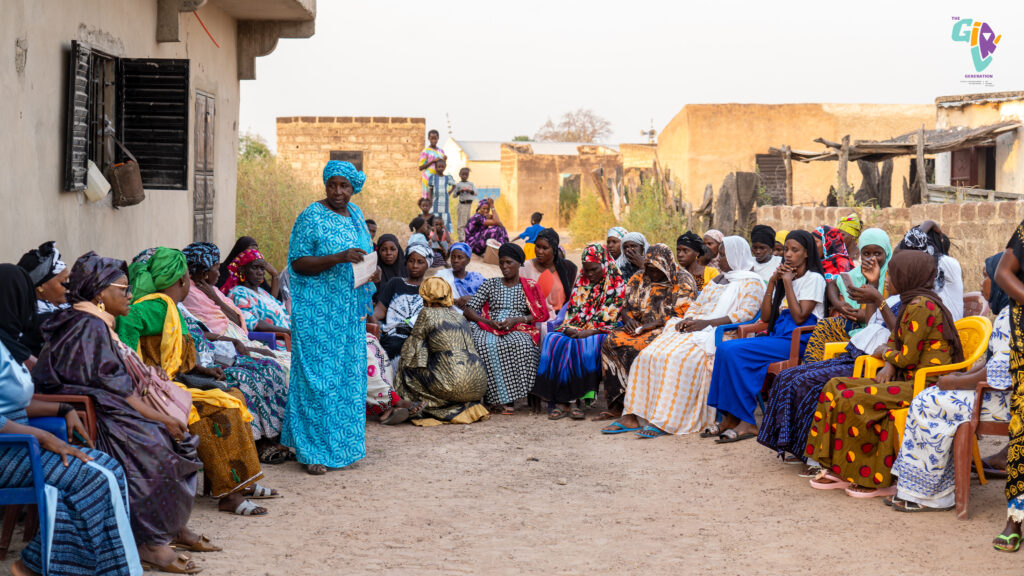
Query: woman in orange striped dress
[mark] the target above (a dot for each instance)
(668, 383)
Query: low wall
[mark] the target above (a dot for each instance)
(976, 230)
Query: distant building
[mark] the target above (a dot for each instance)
(996, 165)
(483, 158)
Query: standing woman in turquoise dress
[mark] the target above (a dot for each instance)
(325, 419)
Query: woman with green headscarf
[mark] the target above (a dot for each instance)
(849, 316)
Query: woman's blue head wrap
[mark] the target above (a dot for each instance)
(346, 170)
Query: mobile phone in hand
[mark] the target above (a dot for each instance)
(847, 281)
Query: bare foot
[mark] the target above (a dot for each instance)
(745, 428)
(19, 569)
(158, 555)
(627, 421)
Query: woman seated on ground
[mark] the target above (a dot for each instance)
(399, 300)
(634, 251)
(570, 360)
(506, 311)
(848, 315)
(562, 273)
(657, 294)
(795, 297)
(613, 242)
(48, 273)
(713, 242)
(223, 321)
(464, 283)
(440, 371)
(949, 283)
(156, 328)
(668, 383)
(390, 260)
(762, 243)
(689, 248)
(832, 251)
(260, 309)
(483, 226)
(924, 467)
(382, 401)
(91, 532)
(853, 433)
(142, 419)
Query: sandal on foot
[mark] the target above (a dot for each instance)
(605, 415)
(248, 508)
(203, 544)
(649, 432)
(712, 431)
(273, 455)
(397, 416)
(508, 411)
(181, 565)
(261, 493)
(619, 428)
(854, 491)
(810, 472)
(1006, 543)
(415, 409)
(908, 506)
(730, 436)
(826, 480)
(557, 414)
(315, 469)
(577, 414)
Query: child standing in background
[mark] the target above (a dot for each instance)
(425, 205)
(530, 234)
(440, 240)
(465, 193)
(441, 186)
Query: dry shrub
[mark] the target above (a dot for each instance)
(649, 216)
(591, 221)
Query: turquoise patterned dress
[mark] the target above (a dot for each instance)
(326, 414)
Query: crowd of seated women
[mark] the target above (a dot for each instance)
(185, 357)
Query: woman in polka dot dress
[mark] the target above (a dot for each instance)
(853, 435)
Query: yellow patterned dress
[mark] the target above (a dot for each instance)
(1015, 455)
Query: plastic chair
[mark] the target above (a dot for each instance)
(266, 338)
(83, 404)
(965, 448)
(833, 349)
(975, 304)
(721, 330)
(31, 494)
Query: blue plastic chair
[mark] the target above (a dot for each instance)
(719, 334)
(267, 338)
(32, 494)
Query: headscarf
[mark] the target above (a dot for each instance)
(780, 236)
(913, 275)
(717, 235)
(484, 201)
(915, 239)
(870, 237)
(17, 310)
(661, 257)
(43, 263)
(462, 247)
(420, 248)
(596, 306)
(625, 266)
(691, 241)
(396, 270)
(763, 235)
(235, 266)
(616, 232)
(347, 171)
(201, 256)
(851, 225)
(997, 299)
(639, 296)
(566, 270)
(436, 293)
(805, 239)
(741, 260)
(161, 270)
(835, 259)
(513, 251)
(91, 274)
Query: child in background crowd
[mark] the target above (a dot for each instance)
(441, 186)
(465, 193)
(424, 204)
(530, 234)
(440, 240)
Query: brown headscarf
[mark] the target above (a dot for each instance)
(912, 274)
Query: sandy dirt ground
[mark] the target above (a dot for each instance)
(525, 495)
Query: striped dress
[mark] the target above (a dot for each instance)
(668, 382)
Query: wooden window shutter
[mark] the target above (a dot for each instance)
(154, 107)
(76, 146)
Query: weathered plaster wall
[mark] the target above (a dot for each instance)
(1009, 156)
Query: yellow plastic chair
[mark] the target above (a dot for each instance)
(974, 333)
(833, 349)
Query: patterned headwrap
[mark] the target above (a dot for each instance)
(762, 234)
(851, 225)
(596, 306)
(915, 239)
(43, 263)
(834, 259)
(159, 271)
(234, 276)
(513, 251)
(462, 247)
(436, 293)
(91, 275)
(716, 235)
(616, 232)
(420, 248)
(636, 238)
(346, 170)
(201, 256)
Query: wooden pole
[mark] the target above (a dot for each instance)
(844, 158)
(922, 178)
(788, 159)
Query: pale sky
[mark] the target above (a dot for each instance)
(500, 69)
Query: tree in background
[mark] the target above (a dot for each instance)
(581, 125)
(522, 139)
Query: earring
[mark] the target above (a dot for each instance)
(102, 306)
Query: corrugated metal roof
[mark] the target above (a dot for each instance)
(481, 151)
(485, 151)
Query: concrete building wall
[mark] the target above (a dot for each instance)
(36, 37)
(704, 142)
(1009, 156)
(391, 146)
(638, 156)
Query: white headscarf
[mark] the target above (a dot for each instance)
(636, 238)
(741, 260)
(616, 232)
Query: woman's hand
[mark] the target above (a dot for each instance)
(51, 443)
(630, 325)
(271, 270)
(240, 348)
(847, 311)
(866, 294)
(215, 373)
(461, 301)
(74, 424)
(570, 332)
(176, 429)
(885, 374)
(786, 275)
(351, 256)
(693, 325)
(871, 271)
(376, 275)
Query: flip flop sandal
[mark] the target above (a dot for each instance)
(619, 429)
(203, 544)
(811, 472)
(1009, 543)
(649, 432)
(397, 416)
(577, 414)
(273, 455)
(315, 469)
(712, 431)
(790, 459)
(415, 409)
(181, 565)
(605, 415)
(557, 414)
(262, 493)
(870, 492)
(247, 508)
(730, 436)
(508, 411)
(828, 481)
(990, 471)
(908, 506)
